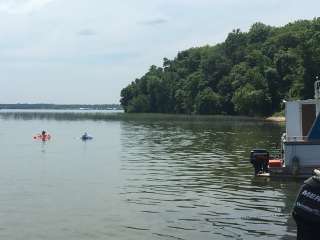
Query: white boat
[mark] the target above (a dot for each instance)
(300, 144)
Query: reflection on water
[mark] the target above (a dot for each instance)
(194, 181)
(140, 178)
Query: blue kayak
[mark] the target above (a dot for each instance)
(84, 138)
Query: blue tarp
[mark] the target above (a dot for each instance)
(314, 133)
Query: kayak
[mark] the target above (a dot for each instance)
(85, 138)
(41, 137)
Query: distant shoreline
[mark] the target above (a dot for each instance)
(48, 106)
(101, 107)
(74, 114)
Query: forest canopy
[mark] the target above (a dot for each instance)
(250, 73)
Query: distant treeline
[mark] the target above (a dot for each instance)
(250, 73)
(61, 106)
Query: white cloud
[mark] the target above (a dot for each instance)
(22, 6)
(86, 32)
(155, 21)
(100, 46)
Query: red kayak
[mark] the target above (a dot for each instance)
(42, 137)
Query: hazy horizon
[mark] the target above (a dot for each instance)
(44, 103)
(85, 52)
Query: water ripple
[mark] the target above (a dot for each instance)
(199, 179)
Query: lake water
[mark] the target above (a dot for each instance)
(139, 178)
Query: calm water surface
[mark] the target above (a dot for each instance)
(140, 179)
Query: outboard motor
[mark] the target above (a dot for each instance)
(259, 159)
(306, 211)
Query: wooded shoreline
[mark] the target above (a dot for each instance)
(250, 74)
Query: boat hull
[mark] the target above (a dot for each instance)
(301, 158)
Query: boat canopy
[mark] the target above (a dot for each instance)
(314, 133)
(300, 119)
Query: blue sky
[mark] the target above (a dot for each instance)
(86, 51)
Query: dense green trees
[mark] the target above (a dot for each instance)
(248, 74)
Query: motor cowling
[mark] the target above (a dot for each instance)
(259, 159)
(306, 210)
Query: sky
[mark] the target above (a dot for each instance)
(86, 51)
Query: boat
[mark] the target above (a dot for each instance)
(86, 137)
(299, 145)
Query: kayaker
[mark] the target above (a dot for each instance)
(85, 135)
(44, 135)
(306, 210)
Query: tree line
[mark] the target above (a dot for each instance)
(250, 73)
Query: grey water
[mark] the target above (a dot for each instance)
(140, 178)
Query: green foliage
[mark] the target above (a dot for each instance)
(138, 104)
(250, 73)
(250, 101)
(259, 33)
(207, 102)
